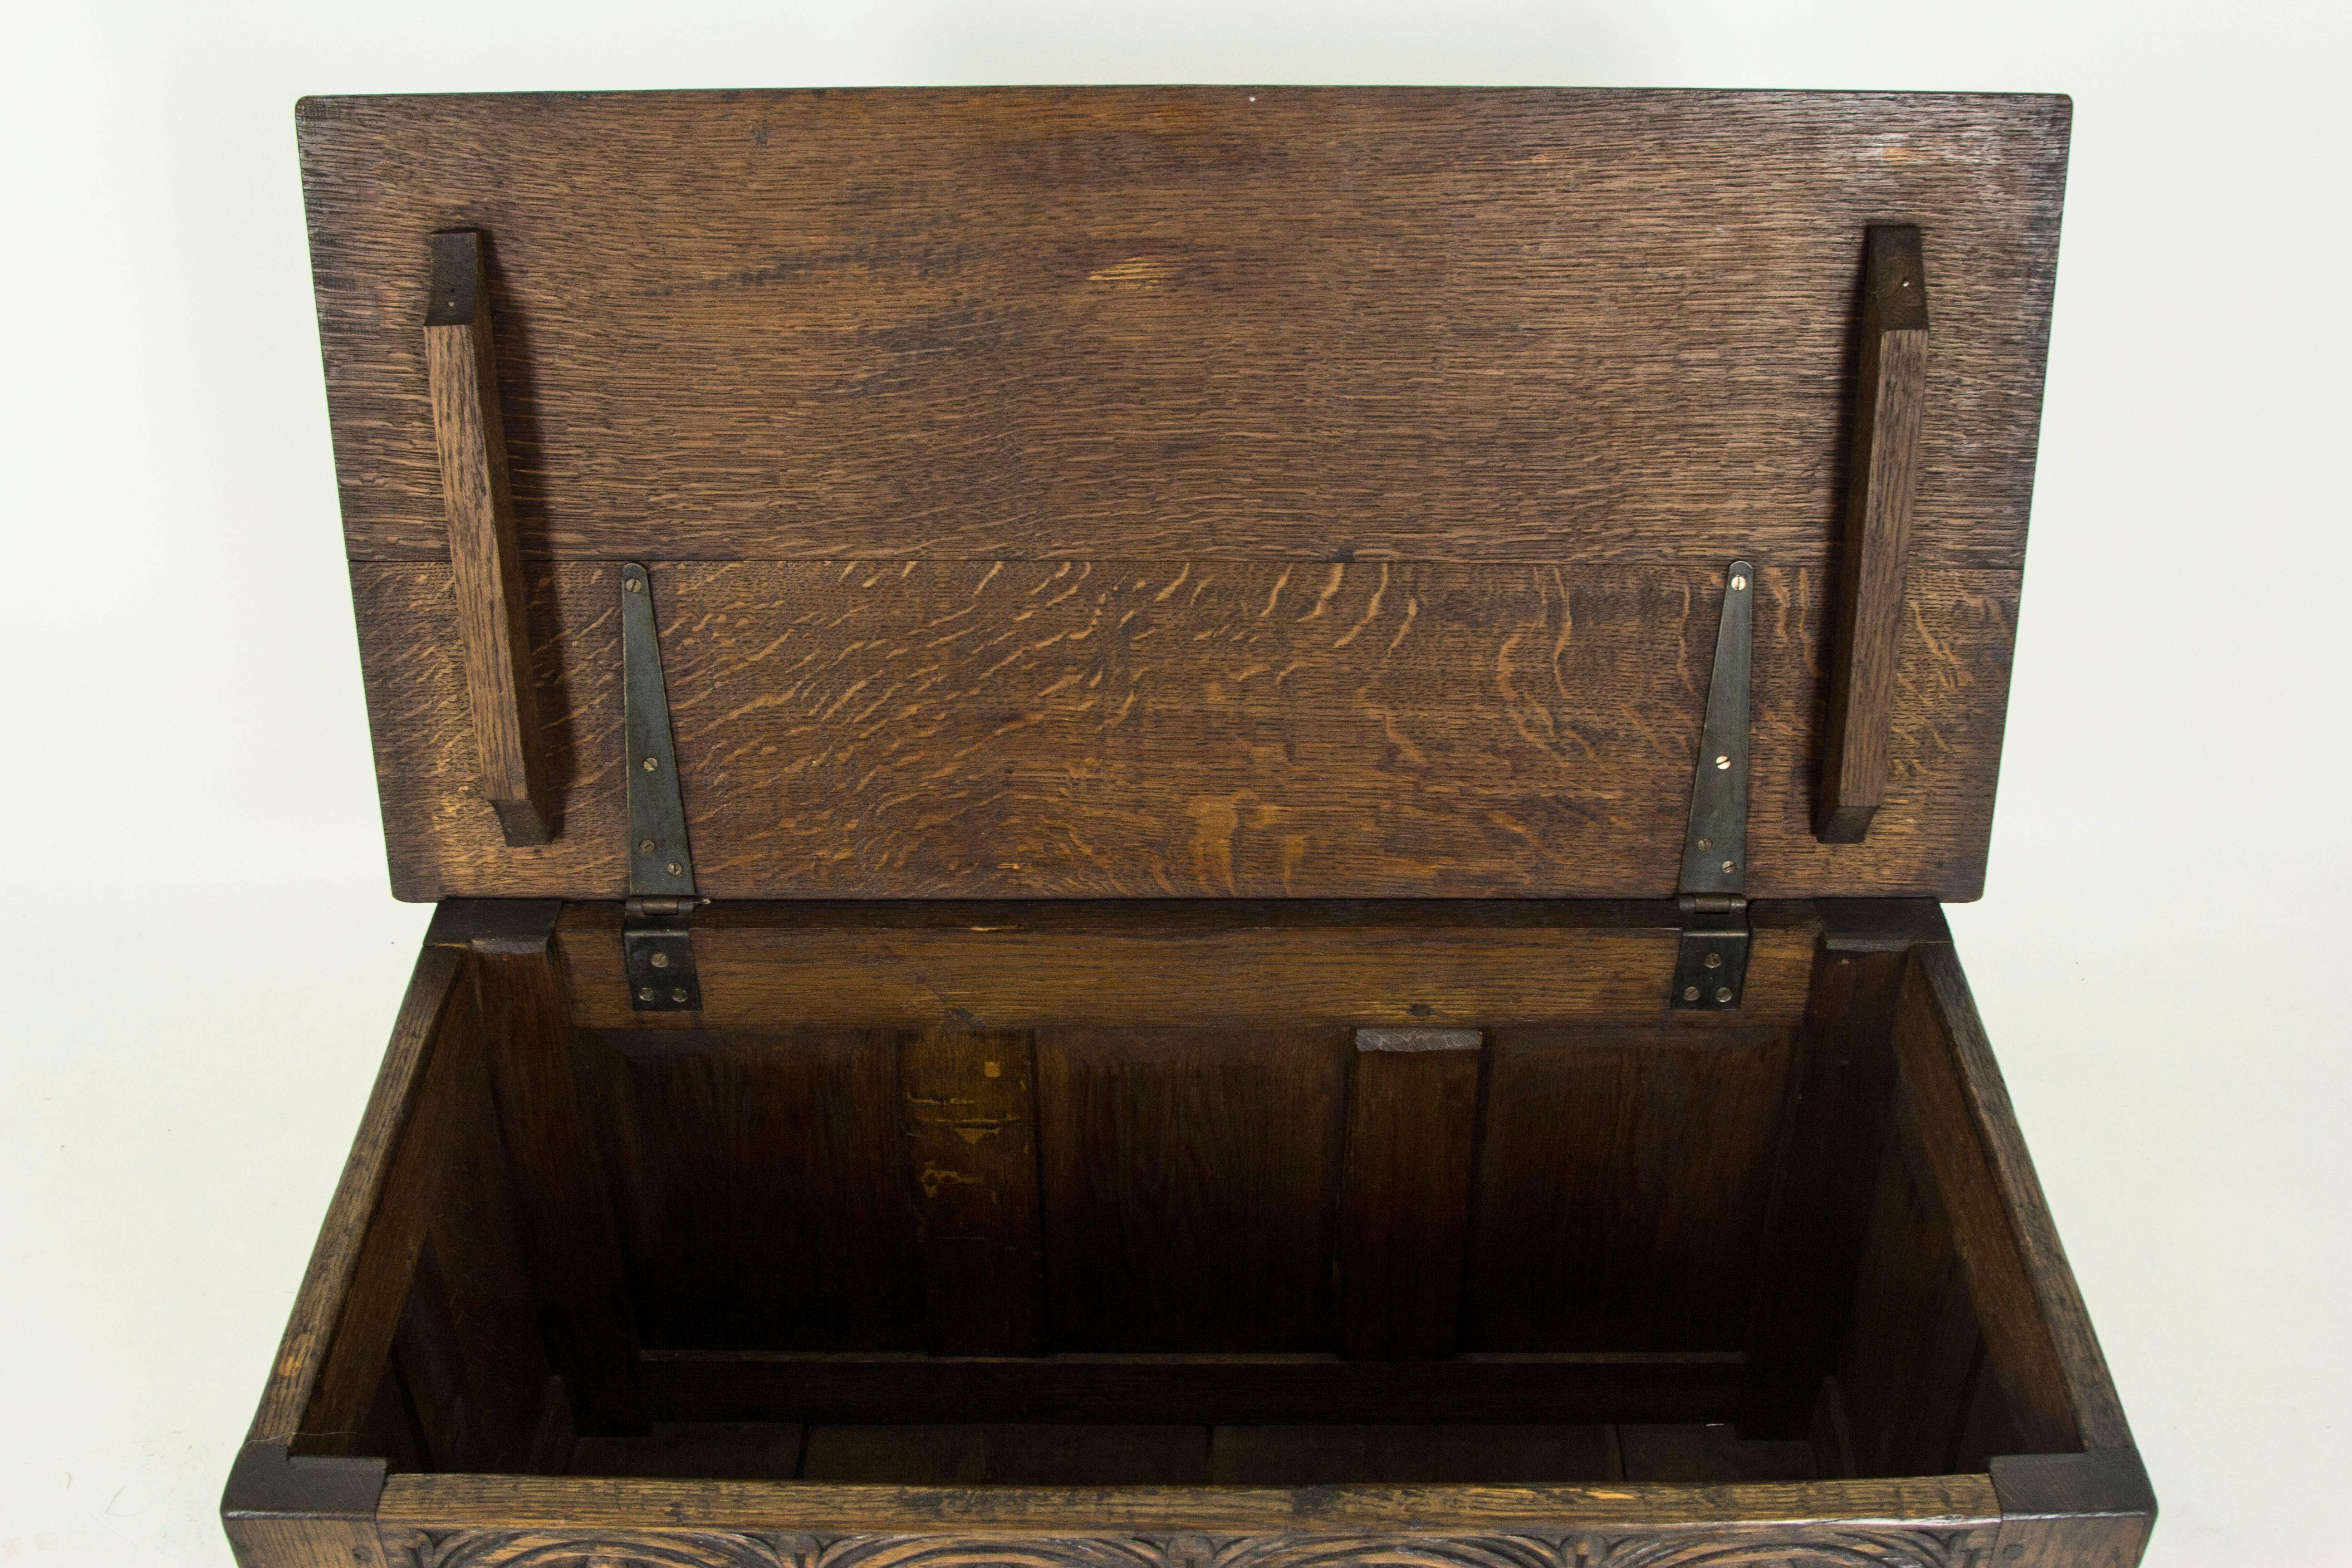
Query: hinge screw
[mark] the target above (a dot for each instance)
(646, 994)
(674, 868)
(1690, 993)
(1714, 960)
(679, 995)
(1723, 992)
(633, 586)
(1737, 582)
(651, 765)
(1722, 764)
(1707, 842)
(659, 961)
(1731, 865)
(645, 847)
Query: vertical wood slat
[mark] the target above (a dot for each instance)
(968, 1109)
(1842, 1085)
(486, 569)
(1404, 1206)
(563, 1208)
(1890, 397)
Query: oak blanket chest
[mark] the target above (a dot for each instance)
(1187, 827)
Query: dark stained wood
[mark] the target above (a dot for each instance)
(392, 1430)
(1684, 1452)
(470, 434)
(1873, 557)
(449, 1088)
(708, 1450)
(1245, 1389)
(2094, 1510)
(1395, 1455)
(980, 1455)
(302, 1511)
(563, 1209)
(1404, 1202)
(1423, 963)
(759, 1185)
(1842, 1085)
(968, 1103)
(1940, 1516)
(1988, 1425)
(473, 1289)
(1197, 729)
(1622, 1175)
(389, 1176)
(1191, 1180)
(1172, 322)
(2043, 1349)
(1914, 1339)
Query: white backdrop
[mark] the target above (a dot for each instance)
(202, 957)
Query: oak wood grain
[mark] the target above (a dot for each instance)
(999, 964)
(563, 1209)
(1375, 1453)
(1245, 1389)
(332, 1353)
(469, 435)
(1190, 1184)
(1175, 322)
(968, 1104)
(978, 1454)
(2043, 1348)
(1079, 729)
(1963, 1504)
(1622, 1175)
(1405, 1200)
(1914, 1339)
(1873, 557)
(1827, 1175)
(759, 1180)
(2092, 1510)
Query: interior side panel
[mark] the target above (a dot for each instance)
(1621, 1184)
(760, 1185)
(1190, 1184)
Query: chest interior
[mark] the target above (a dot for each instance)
(1240, 794)
(1096, 1194)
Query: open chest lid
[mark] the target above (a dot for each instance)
(1203, 492)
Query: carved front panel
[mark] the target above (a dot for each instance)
(1816, 1547)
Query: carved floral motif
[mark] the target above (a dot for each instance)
(1820, 1548)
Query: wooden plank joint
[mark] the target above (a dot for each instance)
(485, 563)
(1890, 394)
(280, 1508)
(968, 1109)
(2093, 1510)
(1405, 1208)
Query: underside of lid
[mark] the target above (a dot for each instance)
(1198, 492)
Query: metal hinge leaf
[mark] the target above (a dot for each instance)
(657, 940)
(1711, 960)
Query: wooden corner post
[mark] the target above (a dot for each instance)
(1890, 393)
(483, 558)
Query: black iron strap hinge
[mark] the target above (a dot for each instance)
(1711, 960)
(657, 938)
